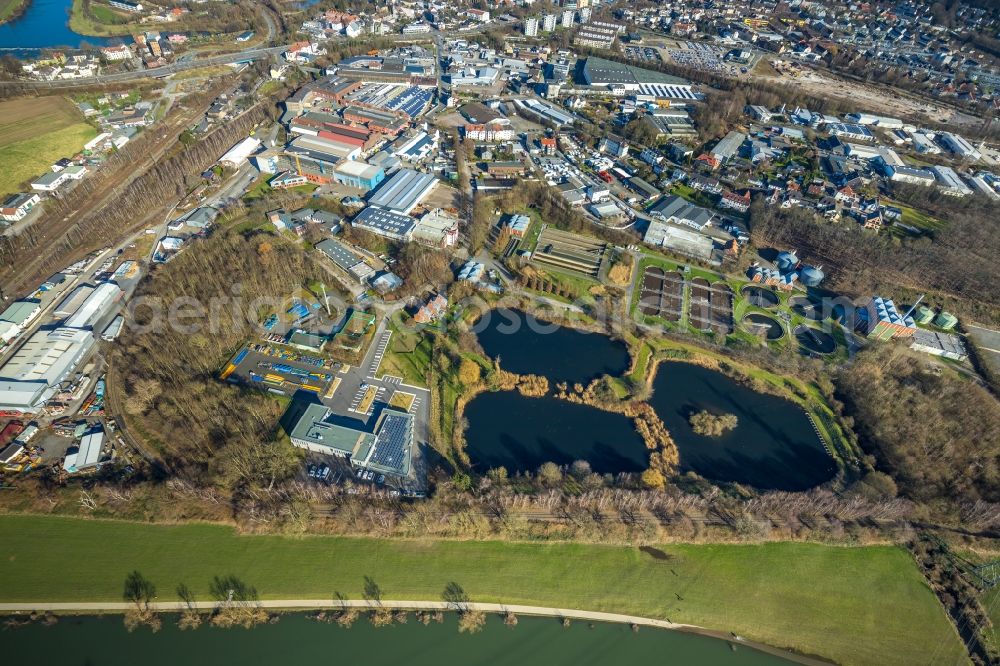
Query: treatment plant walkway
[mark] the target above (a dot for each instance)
(317, 604)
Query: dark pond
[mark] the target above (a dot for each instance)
(774, 446)
(757, 322)
(760, 297)
(295, 640)
(527, 345)
(45, 24)
(509, 430)
(819, 342)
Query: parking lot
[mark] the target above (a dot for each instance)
(643, 53)
(280, 369)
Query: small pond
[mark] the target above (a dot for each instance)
(509, 430)
(774, 445)
(527, 345)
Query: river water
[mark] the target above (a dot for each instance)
(103, 641)
(45, 24)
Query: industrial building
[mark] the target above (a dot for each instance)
(606, 73)
(386, 223)
(938, 344)
(345, 259)
(680, 211)
(437, 229)
(403, 191)
(415, 148)
(238, 154)
(325, 147)
(359, 174)
(692, 244)
(97, 304)
(728, 147)
(885, 321)
(46, 359)
(388, 449)
(960, 146)
(545, 111)
(949, 181)
(88, 454)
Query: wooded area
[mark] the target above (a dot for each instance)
(959, 261)
(936, 433)
(208, 430)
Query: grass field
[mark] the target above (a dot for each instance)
(408, 356)
(853, 605)
(103, 21)
(34, 133)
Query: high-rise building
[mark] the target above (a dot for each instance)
(549, 23)
(567, 18)
(531, 27)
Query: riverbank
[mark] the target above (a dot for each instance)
(432, 639)
(416, 605)
(853, 605)
(11, 10)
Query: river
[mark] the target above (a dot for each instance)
(45, 24)
(294, 640)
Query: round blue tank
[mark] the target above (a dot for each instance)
(787, 261)
(811, 276)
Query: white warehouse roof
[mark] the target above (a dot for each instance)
(95, 307)
(238, 154)
(403, 191)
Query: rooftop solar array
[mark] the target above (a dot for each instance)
(392, 443)
(411, 102)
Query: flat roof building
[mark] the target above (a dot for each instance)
(403, 191)
(97, 304)
(384, 222)
(32, 375)
(358, 174)
(345, 259)
(388, 449)
(950, 182)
